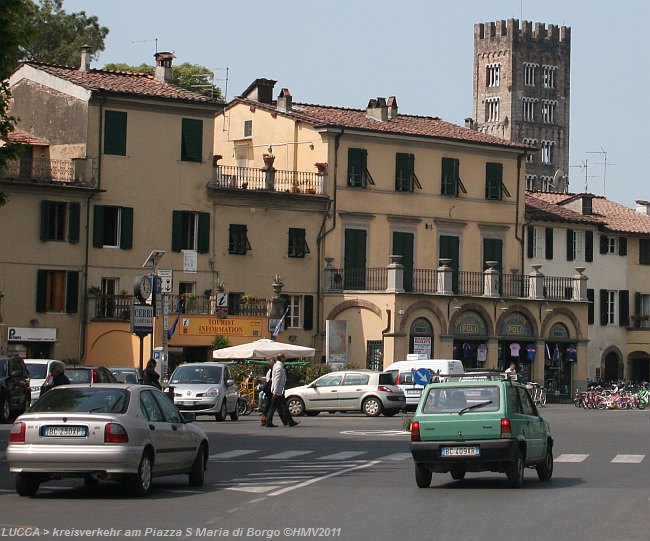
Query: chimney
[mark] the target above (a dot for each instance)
(469, 123)
(85, 58)
(377, 110)
(164, 66)
(643, 207)
(392, 107)
(285, 101)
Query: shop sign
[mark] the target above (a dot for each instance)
(470, 323)
(559, 332)
(336, 332)
(211, 326)
(29, 334)
(422, 344)
(515, 324)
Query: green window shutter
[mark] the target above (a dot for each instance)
(644, 251)
(450, 248)
(569, 244)
(590, 307)
(549, 243)
(603, 307)
(177, 230)
(493, 251)
(622, 246)
(624, 308)
(72, 292)
(357, 164)
(41, 291)
(115, 133)
(308, 313)
(355, 259)
(203, 237)
(589, 246)
(45, 220)
(74, 219)
(126, 230)
(493, 181)
(450, 173)
(192, 140)
(604, 244)
(98, 226)
(403, 245)
(529, 238)
(404, 167)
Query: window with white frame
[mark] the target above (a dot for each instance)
(546, 183)
(529, 109)
(529, 73)
(578, 245)
(612, 245)
(548, 76)
(547, 152)
(644, 310)
(493, 74)
(248, 128)
(548, 111)
(610, 304)
(293, 317)
(492, 110)
(530, 181)
(539, 242)
(530, 158)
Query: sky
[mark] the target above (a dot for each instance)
(345, 52)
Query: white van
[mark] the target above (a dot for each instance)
(404, 374)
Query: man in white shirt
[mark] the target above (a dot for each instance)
(278, 383)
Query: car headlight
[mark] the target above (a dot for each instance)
(213, 391)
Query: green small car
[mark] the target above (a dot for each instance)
(483, 425)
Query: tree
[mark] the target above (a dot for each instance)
(14, 33)
(57, 36)
(192, 77)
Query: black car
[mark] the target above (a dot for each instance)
(89, 374)
(15, 392)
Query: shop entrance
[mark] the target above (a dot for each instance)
(470, 339)
(421, 338)
(560, 355)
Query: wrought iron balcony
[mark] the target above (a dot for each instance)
(269, 179)
(77, 171)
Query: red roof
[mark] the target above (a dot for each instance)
(118, 82)
(20, 137)
(612, 216)
(422, 126)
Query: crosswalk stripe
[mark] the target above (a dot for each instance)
(396, 456)
(628, 459)
(343, 455)
(233, 454)
(571, 458)
(285, 455)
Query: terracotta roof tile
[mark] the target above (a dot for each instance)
(20, 137)
(322, 115)
(613, 216)
(119, 82)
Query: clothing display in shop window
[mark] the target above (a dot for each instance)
(531, 349)
(571, 354)
(466, 350)
(481, 353)
(514, 349)
(556, 356)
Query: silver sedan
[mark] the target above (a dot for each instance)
(123, 432)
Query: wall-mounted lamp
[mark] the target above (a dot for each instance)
(453, 299)
(504, 307)
(34, 322)
(401, 312)
(549, 310)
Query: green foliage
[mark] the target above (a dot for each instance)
(57, 37)
(301, 375)
(192, 77)
(220, 341)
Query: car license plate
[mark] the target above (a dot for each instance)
(414, 392)
(64, 431)
(187, 403)
(469, 450)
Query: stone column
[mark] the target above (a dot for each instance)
(536, 283)
(445, 274)
(491, 279)
(395, 275)
(580, 285)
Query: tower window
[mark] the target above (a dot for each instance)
(529, 74)
(492, 110)
(548, 76)
(548, 111)
(493, 74)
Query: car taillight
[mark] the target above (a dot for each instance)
(17, 433)
(384, 389)
(415, 430)
(94, 376)
(115, 433)
(506, 429)
(397, 378)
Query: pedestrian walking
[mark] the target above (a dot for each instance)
(278, 402)
(151, 377)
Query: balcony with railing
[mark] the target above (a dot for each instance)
(267, 179)
(76, 171)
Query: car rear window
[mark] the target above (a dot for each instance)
(37, 370)
(197, 374)
(387, 378)
(87, 400)
(455, 399)
(77, 375)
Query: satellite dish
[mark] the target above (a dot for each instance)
(558, 179)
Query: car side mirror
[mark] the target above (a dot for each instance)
(230, 382)
(189, 417)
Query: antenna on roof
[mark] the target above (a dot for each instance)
(148, 41)
(603, 153)
(585, 166)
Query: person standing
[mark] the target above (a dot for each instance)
(151, 377)
(55, 378)
(278, 402)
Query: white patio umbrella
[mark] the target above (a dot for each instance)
(261, 349)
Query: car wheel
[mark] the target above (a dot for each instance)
(371, 406)
(457, 473)
(422, 475)
(234, 415)
(390, 413)
(296, 407)
(221, 416)
(545, 469)
(27, 484)
(139, 484)
(515, 471)
(5, 410)
(197, 474)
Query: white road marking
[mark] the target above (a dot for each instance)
(628, 459)
(396, 456)
(571, 458)
(285, 455)
(343, 455)
(233, 454)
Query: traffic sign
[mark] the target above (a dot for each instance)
(422, 376)
(141, 318)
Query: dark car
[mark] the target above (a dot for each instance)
(128, 374)
(15, 392)
(89, 374)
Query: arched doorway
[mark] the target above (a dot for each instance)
(639, 367)
(612, 372)
(517, 344)
(421, 337)
(470, 332)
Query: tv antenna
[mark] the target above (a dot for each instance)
(585, 166)
(148, 41)
(603, 154)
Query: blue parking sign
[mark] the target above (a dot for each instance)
(422, 376)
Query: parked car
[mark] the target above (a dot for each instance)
(205, 389)
(128, 374)
(475, 426)
(89, 374)
(15, 392)
(367, 391)
(113, 432)
(38, 371)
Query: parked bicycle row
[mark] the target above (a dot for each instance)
(624, 398)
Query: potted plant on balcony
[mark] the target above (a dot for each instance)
(249, 299)
(94, 291)
(220, 285)
(268, 160)
(321, 167)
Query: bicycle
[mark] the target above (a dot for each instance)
(247, 396)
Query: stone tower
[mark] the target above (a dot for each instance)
(521, 92)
